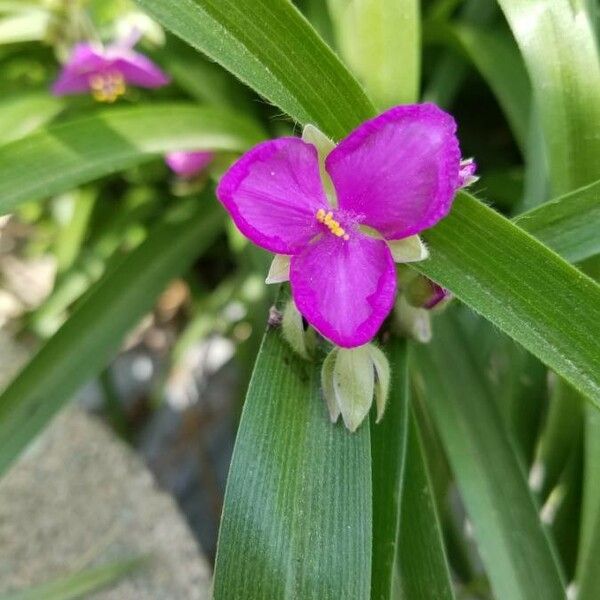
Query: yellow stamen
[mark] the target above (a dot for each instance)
(331, 224)
(107, 87)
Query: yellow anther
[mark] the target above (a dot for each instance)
(331, 224)
(107, 87)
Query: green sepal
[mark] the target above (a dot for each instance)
(327, 386)
(354, 384)
(382, 379)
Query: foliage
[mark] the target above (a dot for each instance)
(467, 486)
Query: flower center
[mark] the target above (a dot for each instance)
(334, 226)
(108, 86)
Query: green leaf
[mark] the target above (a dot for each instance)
(589, 543)
(548, 306)
(559, 48)
(380, 41)
(569, 224)
(297, 515)
(422, 564)
(83, 345)
(79, 585)
(388, 445)
(71, 153)
(513, 545)
(563, 425)
(25, 26)
(270, 46)
(24, 113)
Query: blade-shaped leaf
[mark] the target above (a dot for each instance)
(422, 564)
(559, 48)
(24, 113)
(66, 155)
(297, 515)
(589, 543)
(380, 41)
(522, 287)
(82, 346)
(79, 585)
(569, 224)
(270, 46)
(513, 545)
(388, 445)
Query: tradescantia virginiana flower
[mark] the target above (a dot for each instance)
(188, 164)
(342, 221)
(106, 71)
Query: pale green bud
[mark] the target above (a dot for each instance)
(327, 385)
(279, 272)
(350, 378)
(354, 384)
(382, 379)
(407, 250)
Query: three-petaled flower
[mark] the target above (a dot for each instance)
(105, 71)
(339, 218)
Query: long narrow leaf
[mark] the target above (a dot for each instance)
(423, 567)
(570, 225)
(380, 41)
(388, 447)
(66, 155)
(515, 550)
(558, 45)
(522, 287)
(82, 346)
(297, 515)
(24, 113)
(270, 46)
(79, 585)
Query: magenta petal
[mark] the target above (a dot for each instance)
(137, 69)
(399, 170)
(85, 59)
(345, 289)
(273, 193)
(188, 164)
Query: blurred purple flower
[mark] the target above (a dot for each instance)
(188, 164)
(396, 175)
(105, 71)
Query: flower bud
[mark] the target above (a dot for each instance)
(350, 378)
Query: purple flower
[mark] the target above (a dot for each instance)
(188, 164)
(393, 177)
(106, 71)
